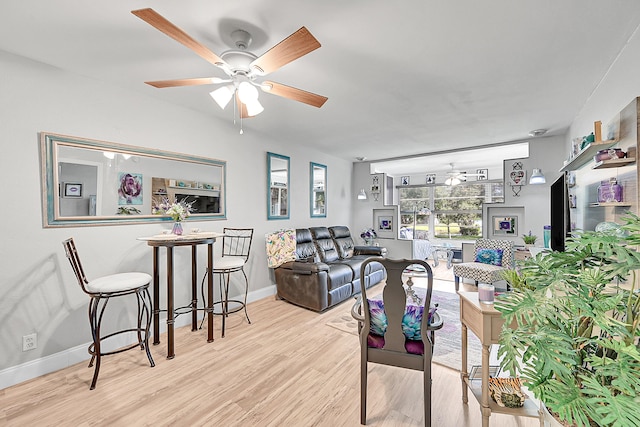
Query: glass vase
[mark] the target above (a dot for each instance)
(177, 228)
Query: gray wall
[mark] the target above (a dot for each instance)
(38, 292)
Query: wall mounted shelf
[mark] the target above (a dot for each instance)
(586, 155)
(614, 163)
(604, 204)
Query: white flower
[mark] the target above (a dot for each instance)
(178, 211)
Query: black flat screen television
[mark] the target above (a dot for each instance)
(560, 219)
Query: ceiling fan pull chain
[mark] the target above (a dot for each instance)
(240, 113)
(235, 107)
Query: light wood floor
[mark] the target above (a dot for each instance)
(288, 368)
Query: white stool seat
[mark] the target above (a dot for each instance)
(100, 291)
(236, 245)
(228, 263)
(118, 282)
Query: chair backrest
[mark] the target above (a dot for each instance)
(237, 242)
(76, 265)
(508, 255)
(397, 301)
(305, 247)
(343, 241)
(325, 245)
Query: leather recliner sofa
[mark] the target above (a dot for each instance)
(327, 268)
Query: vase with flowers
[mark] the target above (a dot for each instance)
(177, 210)
(369, 236)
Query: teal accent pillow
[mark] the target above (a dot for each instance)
(489, 256)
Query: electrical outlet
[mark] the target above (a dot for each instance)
(29, 342)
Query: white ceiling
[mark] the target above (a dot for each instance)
(402, 78)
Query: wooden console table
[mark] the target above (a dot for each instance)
(485, 322)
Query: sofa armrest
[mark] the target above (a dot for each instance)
(305, 267)
(369, 250)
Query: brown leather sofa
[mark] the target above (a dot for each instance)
(327, 268)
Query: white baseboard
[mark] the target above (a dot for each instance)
(44, 365)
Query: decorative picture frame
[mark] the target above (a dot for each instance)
(505, 225)
(130, 188)
(72, 189)
(384, 223)
(517, 176)
(431, 178)
(483, 174)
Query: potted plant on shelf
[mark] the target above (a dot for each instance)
(529, 239)
(572, 327)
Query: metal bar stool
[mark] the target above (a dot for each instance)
(236, 246)
(100, 290)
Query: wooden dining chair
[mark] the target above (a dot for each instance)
(397, 328)
(100, 291)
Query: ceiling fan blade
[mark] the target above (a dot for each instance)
(181, 82)
(156, 20)
(295, 94)
(293, 47)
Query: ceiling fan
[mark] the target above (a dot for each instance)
(455, 177)
(244, 69)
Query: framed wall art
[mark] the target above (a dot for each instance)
(130, 188)
(505, 226)
(384, 223)
(431, 178)
(72, 190)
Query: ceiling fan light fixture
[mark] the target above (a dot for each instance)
(254, 107)
(247, 92)
(452, 181)
(222, 95)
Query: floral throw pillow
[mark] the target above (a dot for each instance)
(281, 247)
(489, 256)
(410, 321)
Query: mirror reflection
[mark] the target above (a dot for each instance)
(89, 182)
(318, 182)
(278, 191)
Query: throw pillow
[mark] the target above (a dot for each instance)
(281, 247)
(489, 256)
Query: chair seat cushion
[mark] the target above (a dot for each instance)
(485, 273)
(227, 263)
(118, 282)
(412, 346)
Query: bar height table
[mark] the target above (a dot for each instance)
(169, 241)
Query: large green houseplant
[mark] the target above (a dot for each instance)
(575, 340)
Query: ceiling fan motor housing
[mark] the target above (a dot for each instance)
(241, 39)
